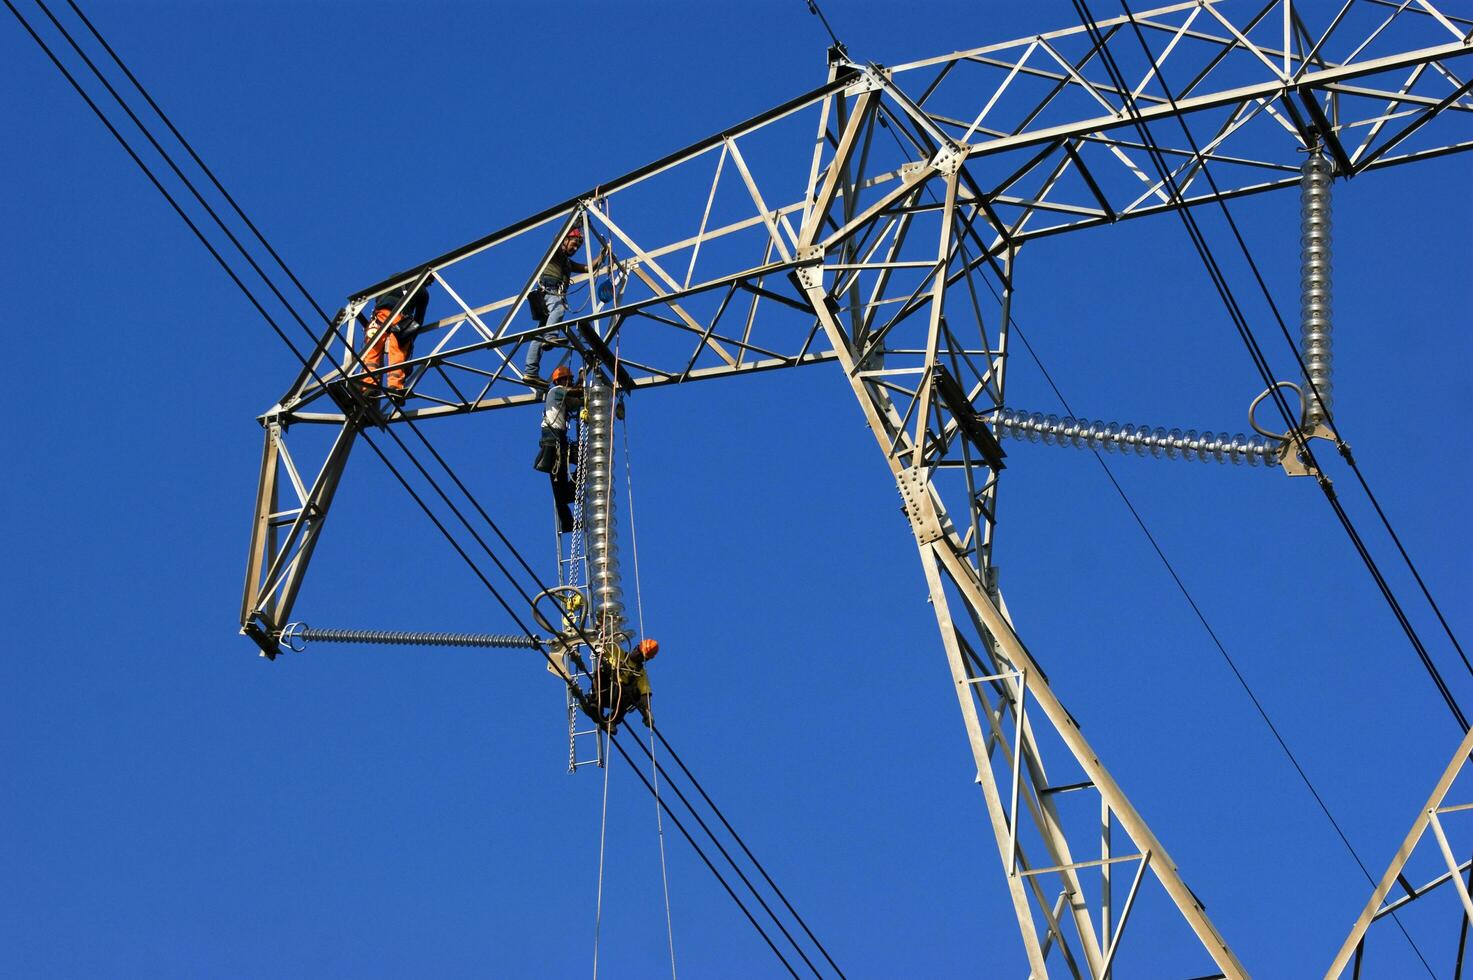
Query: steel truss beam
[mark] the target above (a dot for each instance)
(1048, 149)
(1003, 693)
(874, 223)
(283, 538)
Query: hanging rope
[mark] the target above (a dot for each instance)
(598, 910)
(660, 835)
(629, 495)
(639, 605)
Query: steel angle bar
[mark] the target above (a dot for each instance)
(1416, 893)
(1135, 886)
(1055, 933)
(1406, 131)
(609, 187)
(995, 47)
(1374, 906)
(1452, 862)
(1075, 866)
(938, 558)
(276, 563)
(1211, 100)
(1410, 98)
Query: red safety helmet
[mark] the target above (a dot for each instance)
(574, 234)
(560, 374)
(648, 648)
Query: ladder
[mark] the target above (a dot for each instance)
(585, 745)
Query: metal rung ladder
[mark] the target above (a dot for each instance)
(575, 716)
(573, 572)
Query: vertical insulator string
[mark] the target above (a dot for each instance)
(1314, 285)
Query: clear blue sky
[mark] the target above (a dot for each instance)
(172, 805)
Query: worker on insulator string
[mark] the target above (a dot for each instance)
(623, 683)
(393, 337)
(549, 298)
(554, 452)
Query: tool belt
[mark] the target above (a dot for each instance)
(537, 301)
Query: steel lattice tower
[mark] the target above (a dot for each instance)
(873, 225)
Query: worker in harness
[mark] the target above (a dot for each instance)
(549, 299)
(396, 338)
(623, 683)
(554, 453)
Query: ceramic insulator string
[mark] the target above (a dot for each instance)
(599, 515)
(306, 634)
(1314, 285)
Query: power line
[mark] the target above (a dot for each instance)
(1186, 594)
(394, 470)
(1181, 585)
(616, 744)
(1273, 306)
(193, 155)
(743, 845)
(1216, 641)
(814, 9)
(1260, 361)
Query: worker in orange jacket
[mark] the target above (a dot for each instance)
(396, 338)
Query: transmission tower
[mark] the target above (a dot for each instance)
(874, 224)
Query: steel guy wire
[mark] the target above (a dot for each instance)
(438, 524)
(1260, 361)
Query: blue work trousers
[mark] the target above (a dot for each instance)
(556, 301)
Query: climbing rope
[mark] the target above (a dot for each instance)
(660, 835)
(629, 496)
(639, 606)
(598, 911)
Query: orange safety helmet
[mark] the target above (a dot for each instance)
(648, 648)
(560, 374)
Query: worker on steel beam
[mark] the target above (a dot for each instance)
(549, 299)
(623, 683)
(395, 338)
(553, 450)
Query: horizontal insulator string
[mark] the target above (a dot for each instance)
(1141, 439)
(297, 634)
